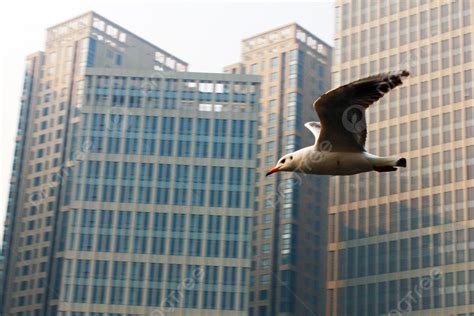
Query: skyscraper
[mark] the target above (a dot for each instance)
(403, 241)
(132, 188)
(288, 239)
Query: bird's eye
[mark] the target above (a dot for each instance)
(291, 157)
(282, 161)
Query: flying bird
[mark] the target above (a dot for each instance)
(341, 132)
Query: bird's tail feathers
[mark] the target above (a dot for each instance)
(385, 164)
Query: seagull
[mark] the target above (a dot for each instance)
(340, 136)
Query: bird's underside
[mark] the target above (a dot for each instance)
(347, 163)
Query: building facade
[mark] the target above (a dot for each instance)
(160, 211)
(288, 253)
(402, 242)
(132, 187)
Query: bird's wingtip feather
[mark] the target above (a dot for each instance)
(404, 73)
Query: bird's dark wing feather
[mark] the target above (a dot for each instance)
(342, 110)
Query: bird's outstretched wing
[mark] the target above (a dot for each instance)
(314, 128)
(341, 111)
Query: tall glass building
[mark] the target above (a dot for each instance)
(288, 241)
(403, 242)
(132, 188)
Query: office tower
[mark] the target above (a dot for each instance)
(131, 188)
(53, 81)
(288, 253)
(402, 241)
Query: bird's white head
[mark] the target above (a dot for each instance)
(285, 163)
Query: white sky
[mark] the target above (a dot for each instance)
(206, 35)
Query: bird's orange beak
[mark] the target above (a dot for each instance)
(273, 170)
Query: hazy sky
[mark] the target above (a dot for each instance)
(206, 35)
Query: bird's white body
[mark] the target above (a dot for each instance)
(311, 160)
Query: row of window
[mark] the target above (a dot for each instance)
(221, 102)
(168, 147)
(388, 218)
(167, 125)
(355, 13)
(167, 298)
(141, 221)
(199, 291)
(226, 236)
(196, 246)
(434, 250)
(360, 48)
(119, 272)
(436, 290)
(155, 84)
(232, 198)
(168, 173)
